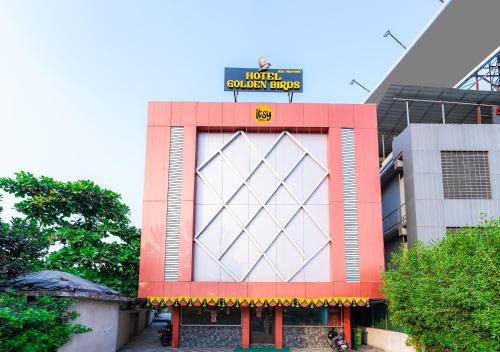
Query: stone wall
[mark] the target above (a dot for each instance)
(305, 336)
(209, 336)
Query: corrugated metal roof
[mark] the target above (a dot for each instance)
(425, 107)
(59, 283)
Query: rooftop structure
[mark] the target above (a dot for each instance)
(403, 105)
(452, 47)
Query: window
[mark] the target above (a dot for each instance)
(466, 175)
(379, 313)
(305, 316)
(375, 316)
(210, 316)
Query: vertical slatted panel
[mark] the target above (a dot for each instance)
(172, 244)
(350, 206)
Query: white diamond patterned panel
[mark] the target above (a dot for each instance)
(259, 212)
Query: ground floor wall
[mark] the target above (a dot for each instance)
(131, 323)
(209, 336)
(389, 341)
(102, 318)
(186, 332)
(111, 327)
(305, 336)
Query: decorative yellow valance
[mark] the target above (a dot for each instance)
(175, 301)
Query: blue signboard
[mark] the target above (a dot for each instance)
(270, 80)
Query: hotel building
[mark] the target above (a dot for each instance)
(261, 231)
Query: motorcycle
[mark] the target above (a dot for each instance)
(337, 342)
(166, 334)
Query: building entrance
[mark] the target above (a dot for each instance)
(262, 326)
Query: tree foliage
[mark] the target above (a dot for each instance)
(21, 247)
(36, 324)
(89, 225)
(445, 294)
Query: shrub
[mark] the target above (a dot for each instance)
(36, 324)
(445, 294)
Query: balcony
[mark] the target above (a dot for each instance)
(394, 223)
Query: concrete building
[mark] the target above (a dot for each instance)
(442, 172)
(440, 177)
(260, 232)
(438, 147)
(112, 327)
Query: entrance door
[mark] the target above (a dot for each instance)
(262, 326)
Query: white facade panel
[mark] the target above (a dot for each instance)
(262, 207)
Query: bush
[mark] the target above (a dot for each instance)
(36, 324)
(445, 294)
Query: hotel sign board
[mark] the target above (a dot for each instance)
(270, 80)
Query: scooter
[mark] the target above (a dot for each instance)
(166, 334)
(336, 341)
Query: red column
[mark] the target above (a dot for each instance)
(331, 316)
(347, 324)
(278, 326)
(176, 317)
(245, 327)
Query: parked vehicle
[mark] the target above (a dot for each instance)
(337, 341)
(165, 334)
(162, 315)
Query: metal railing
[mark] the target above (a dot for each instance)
(395, 219)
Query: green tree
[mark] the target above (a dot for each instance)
(21, 247)
(90, 226)
(36, 324)
(445, 294)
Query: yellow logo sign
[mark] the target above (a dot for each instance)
(263, 114)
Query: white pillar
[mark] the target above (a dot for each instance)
(407, 114)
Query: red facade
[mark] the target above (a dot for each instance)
(328, 118)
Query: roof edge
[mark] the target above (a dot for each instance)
(426, 28)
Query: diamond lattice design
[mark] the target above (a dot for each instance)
(263, 201)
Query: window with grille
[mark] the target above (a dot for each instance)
(466, 175)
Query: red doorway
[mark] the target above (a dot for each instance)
(262, 327)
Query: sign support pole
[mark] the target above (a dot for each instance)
(235, 92)
(290, 97)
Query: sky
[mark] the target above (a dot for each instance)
(76, 76)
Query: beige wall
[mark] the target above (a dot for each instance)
(130, 324)
(111, 327)
(389, 341)
(123, 334)
(102, 317)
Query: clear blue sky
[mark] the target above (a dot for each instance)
(76, 76)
